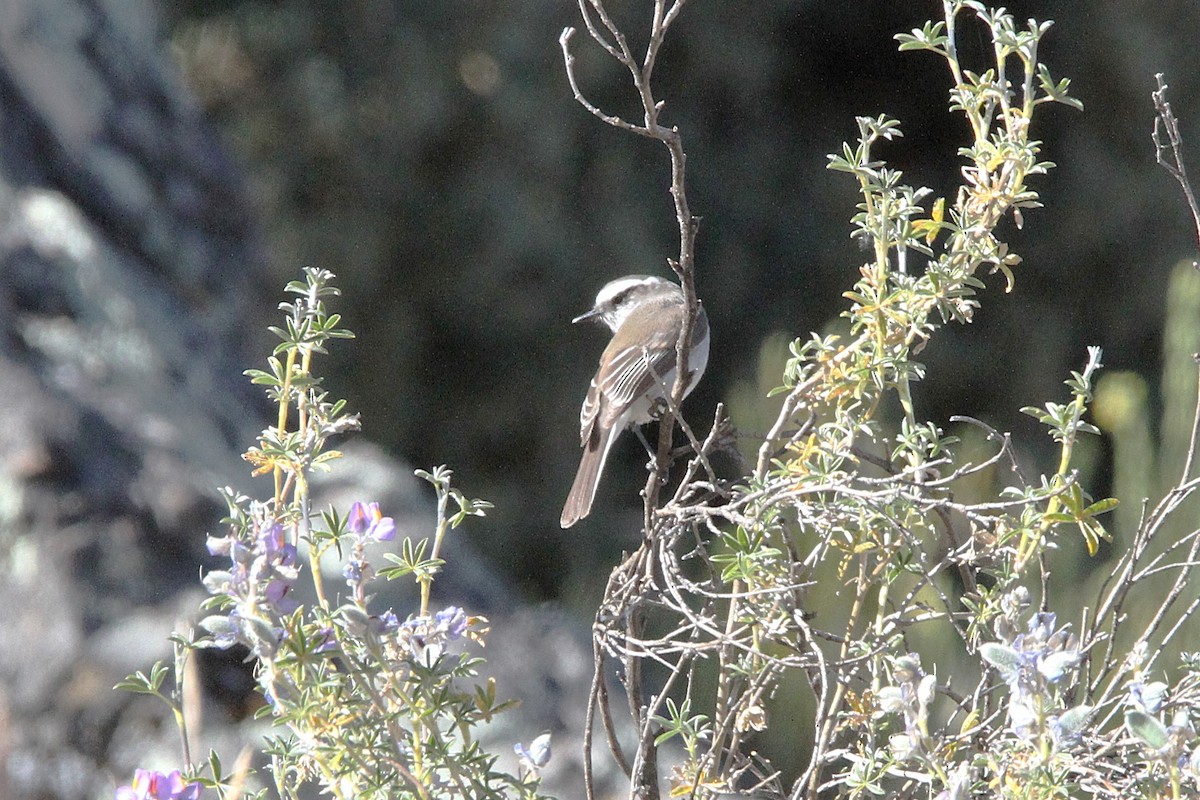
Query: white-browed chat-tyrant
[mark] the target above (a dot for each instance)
(646, 315)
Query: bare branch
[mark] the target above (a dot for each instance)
(569, 60)
(1166, 121)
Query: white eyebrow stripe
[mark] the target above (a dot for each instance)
(611, 290)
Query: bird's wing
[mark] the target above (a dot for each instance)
(588, 413)
(628, 373)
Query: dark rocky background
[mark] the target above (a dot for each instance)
(166, 167)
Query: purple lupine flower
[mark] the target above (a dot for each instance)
(911, 696)
(226, 630)
(148, 785)
(328, 641)
(451, 621)
(537, 755)
(277, 595)
(1022, 714)
(1031, 663)
(368, 522)
(1147, 697)
(259, 581)
(1041, 624)
(385, 623)
(355, 572)
(416, 633)
(1041, 652)
(218, 545)
(239, 554)
(423, 639)
(275, 546)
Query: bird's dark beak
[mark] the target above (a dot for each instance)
(595, 312)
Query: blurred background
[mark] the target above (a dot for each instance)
(168, 166)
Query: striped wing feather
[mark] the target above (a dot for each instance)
(625, 372)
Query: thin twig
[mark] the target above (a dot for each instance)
(1166, 121)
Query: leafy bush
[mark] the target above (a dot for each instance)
(370, 704)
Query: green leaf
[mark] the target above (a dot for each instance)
(214, 763)
(1145, 727)
(666, 736)
(931, 37)
(1101, 506)
(1000, 656)
(1093, 532)
(355, 617)
(141, 683)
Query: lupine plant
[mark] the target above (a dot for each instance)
(366, 702)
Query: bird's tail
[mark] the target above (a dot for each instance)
(591, 467)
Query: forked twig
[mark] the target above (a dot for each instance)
(1166, 121)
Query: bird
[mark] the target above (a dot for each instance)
(646, 315)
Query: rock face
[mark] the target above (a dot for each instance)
(128, 270)
(127, 253)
